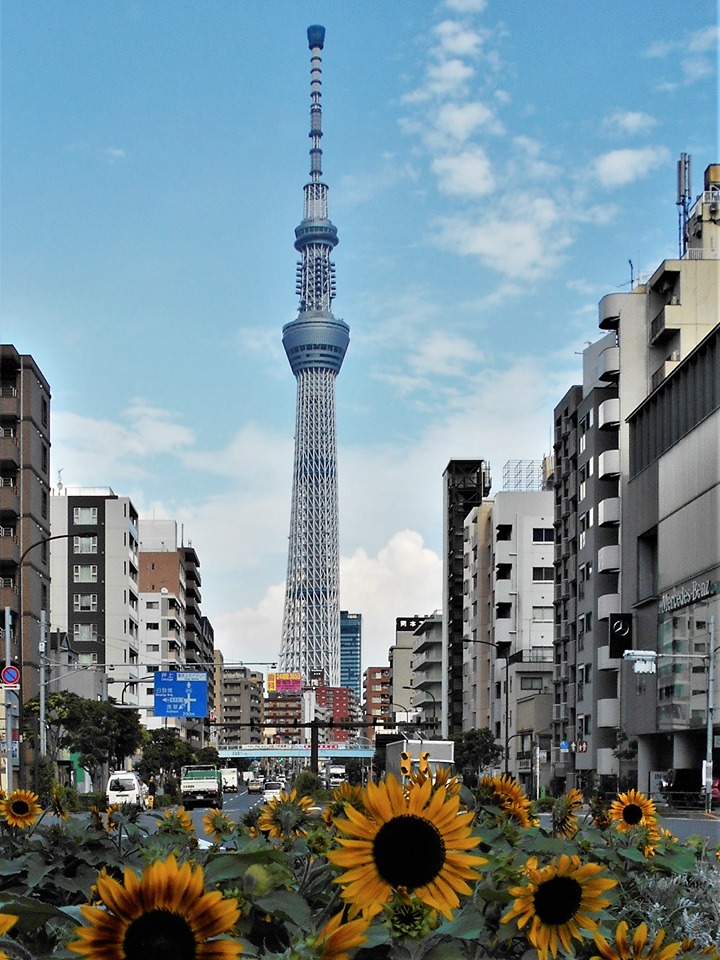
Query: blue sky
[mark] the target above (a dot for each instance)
(493, 165)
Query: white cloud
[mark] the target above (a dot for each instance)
(465, 174)
(528, 242)
(456, 39)
(93, 452)
(461, 120)
(467, 6)
(629, 123)
(696, 55)
(620, 167)
(445, 79)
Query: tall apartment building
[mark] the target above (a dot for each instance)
(24, 522)
(336, 704)
(400, 659)
(242, 695)
(162, 580)
(24, 507)
(426, 670)
(94, 596)
(376, 696)
(351, 652)
(652, 330)
(509, 614)
(465, 483)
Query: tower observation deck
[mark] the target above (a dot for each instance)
(315, 344)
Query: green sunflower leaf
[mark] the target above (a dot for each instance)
(289, 904)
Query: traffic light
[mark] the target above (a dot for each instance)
(620, 632)
(424, 763)
(405, 764)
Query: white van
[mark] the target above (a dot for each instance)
(124, 786)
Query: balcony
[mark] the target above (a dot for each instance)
(609, 512)
(9, 451)
(609, 464)
(9, 548)
(605, 661)
(607, 604)
(666, 323)
(606, 762)
(609, 414)
(559, 711)
(609, 364)
(9, 499)
(608, 713)
(663, 371)
(609, 311)
(8, 594)
(609, 558)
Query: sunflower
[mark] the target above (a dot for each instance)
(20, 809)
(7, 921)
(623, 949)
(336, 937)
(564, 819)
(506, 793)
(56, 802)
(558, 902)
(166, 915)
(415, 841)
(217, 825)
(285, 815)
(176, 821)
(442, 778)
(630, 809)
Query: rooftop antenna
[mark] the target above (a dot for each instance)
(683, 200)
(60, 483)
(632, 277)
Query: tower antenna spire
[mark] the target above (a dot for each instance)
(315, 344)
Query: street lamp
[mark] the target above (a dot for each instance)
(504, 651)
(430, 694)
(644, 661)
(407, 712)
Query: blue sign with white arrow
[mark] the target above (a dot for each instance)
(181, 693)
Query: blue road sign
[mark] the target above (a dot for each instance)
(181, 693)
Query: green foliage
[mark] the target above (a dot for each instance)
(285, 889)
(475, 751)
(309, 784)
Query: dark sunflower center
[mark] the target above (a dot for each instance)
(20, 808)
(159, 935)
(632, 813)
(408, 851)
(557, 900)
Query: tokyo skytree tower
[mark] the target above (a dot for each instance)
(315, 344)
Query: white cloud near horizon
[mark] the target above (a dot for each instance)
(620, 167)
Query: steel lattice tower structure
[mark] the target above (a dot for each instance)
(315, 344)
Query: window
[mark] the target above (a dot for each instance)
(44, 504)
(531, 683)
(152, 605)
(85, 631)
(504, 571)
(85, 573)
(85, 544)
(543, 535)
(503, 611)
(85, 603)
(153, 626)
(44, 458)
(504, 531)
(153, 648)
(543, 614)
(85, 515)
(543, 574)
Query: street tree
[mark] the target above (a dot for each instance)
(475, 751)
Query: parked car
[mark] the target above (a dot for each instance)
(124, 786)
(256, 785)
(683, 788)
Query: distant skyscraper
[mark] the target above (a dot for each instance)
(351, 652)
(315, 344)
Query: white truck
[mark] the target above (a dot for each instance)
(201, 785)
(336, 775)
(229, 779)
